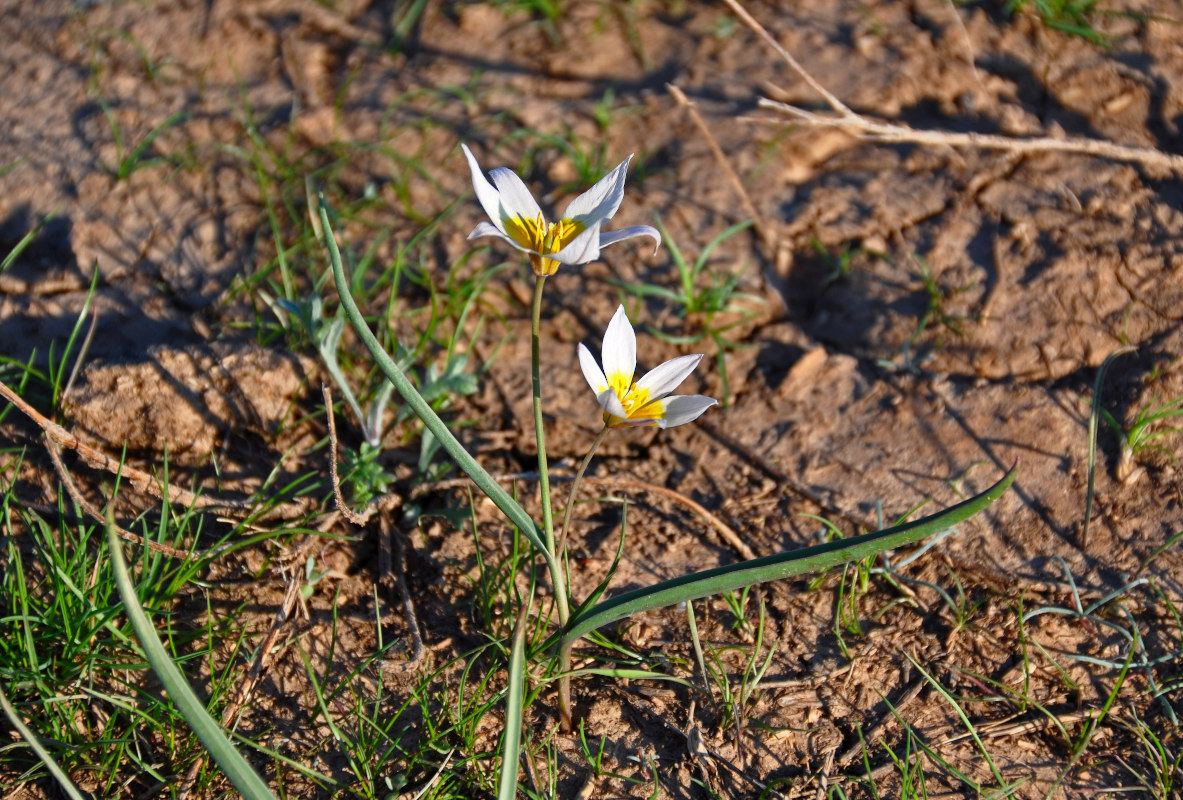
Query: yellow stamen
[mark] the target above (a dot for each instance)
(634, 399)
(542, 238)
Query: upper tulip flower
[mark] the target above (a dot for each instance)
(643, 402)
(575, 239)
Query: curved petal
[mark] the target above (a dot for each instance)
(620, 353)
(591, 371)
(664, 378)
(683, 408)
(516, 200)
(486, 195)
(611, 404)
(600, 202)
(619, 235)
(488, 229)
(582, 249)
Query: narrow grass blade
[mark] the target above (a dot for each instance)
(35, 744)
(244, 778)
(1094, 417)
(782, 565)
(630, 675)
(516, 514)
(969, 726)
(507, 783)
(25, 241)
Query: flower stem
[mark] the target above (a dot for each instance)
(548, 525)
(561, 556)
(565, 685)
(561, 553)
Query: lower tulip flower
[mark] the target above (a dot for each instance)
(647, 401)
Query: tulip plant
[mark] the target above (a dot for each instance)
(515, 218)
(576, 238)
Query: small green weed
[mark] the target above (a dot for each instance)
(841, 261)
(129, 161)
(1162, 756)
(67, 656)
(709, 300)
(1143, 433)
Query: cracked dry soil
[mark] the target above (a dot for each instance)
(929, 317)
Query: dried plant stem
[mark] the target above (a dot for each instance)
(749, 208)
(844, 118)
(141, 481)
(723, 528)
(331, 420)
(64, 476)
(747, 19)
(866, 128)
(399, 570)
(386, 537)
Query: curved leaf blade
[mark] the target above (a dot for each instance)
(781, 565)
(241, 774)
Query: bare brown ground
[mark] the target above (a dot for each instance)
(1040, 266)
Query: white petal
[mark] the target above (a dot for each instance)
(516, 200)
(620, 351)
(583, 248)
(591, 371)
(600, 202)
(487, 229)
(664, 378)
(485, 193)
(680, 409)
(612, 237)
(611, 403)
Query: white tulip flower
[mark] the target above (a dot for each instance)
(575, 239)
(647, 401)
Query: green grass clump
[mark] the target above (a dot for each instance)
(68, 658)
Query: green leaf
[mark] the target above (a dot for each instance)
(420, 407)
(507, 784)
(31, 739)
(241, 774)
(783, 565)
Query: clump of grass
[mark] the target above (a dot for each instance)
(1144, 432)
(68, 658)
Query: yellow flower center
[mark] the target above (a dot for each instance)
(634, 400)
(543, 238)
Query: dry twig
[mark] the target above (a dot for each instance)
(67, 480)
(349, 514)
(891, 132)
(749, 208)
(399, 571)
(719, 525)
(844, 118)
(141, 481)
(724, 530)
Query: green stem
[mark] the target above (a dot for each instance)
(561, 553)
(548, 524)
(565, 723)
